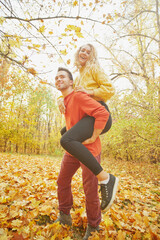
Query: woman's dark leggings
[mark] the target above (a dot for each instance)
(72, 140)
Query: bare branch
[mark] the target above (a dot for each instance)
(145, 139)
(60, 17)
(128, 73)
(140, 13)
(141, 35)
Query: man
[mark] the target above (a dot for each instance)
(79, 105)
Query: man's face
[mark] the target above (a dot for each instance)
(62, 80)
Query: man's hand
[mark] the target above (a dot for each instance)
(89, 140)
(61, 105)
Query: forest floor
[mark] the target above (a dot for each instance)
(29, 206)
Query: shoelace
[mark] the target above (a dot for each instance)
(104, 191)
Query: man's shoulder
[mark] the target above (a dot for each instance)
(79, 95)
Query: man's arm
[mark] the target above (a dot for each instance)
(93, 108)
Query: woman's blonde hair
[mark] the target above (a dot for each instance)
(93, 59)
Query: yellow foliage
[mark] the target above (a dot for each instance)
(15, 42)
(76, 29)
(73, 27)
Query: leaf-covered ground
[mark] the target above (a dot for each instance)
(28, 201)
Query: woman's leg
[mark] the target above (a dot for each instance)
(72, 140)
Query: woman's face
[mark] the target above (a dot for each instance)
(84, 54)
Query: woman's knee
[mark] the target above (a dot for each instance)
(65, 139)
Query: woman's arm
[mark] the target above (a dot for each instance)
(105, 89)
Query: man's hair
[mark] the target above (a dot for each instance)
(66, 70)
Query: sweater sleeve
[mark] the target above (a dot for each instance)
(105, 90)
(92, 108)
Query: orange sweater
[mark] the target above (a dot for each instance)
(79, 105)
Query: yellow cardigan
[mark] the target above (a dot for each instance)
(95, 79)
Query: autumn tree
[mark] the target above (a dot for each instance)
(127, 36)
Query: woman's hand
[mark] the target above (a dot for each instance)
(61, 105)
(80, 89)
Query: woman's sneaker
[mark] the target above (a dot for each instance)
(64, 219)
(108, 192)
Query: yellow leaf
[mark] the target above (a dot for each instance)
(72, 27)
(50, 32)
(68, 61)
(43, 82)
(29, 26)
(79, 34)
(36, 45)
(137, 235)
(28, 40)
(121, 235)
(3, 234)
(64, 52)
(44, 46)
(77, 29)
(16, 223)
(46, 209)
(32, 71)
(64, 35)
(75, 3)
(2, 19)
(41, 29)
(108, 221)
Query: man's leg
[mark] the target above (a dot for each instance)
(69, 166)
(90, 184)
